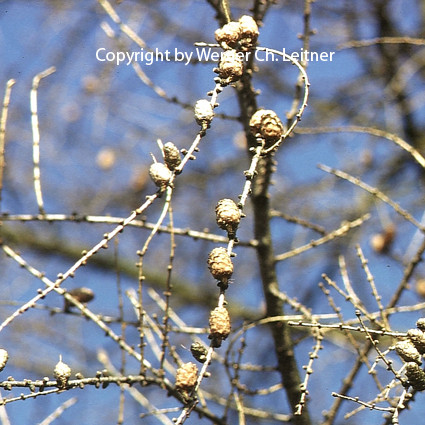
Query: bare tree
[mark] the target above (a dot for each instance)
(212, 212)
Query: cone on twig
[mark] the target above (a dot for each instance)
(219, 325)
(62, 373)
(228, 35)
(228, 216)
(4, 357)
(220, 265)
(416, 376)
(186, 377)
(204, 112)
(408, 352)
(230, 67)
(418, 339)
(266, 124)
(239, 35)
(199, 352)
(172, 157)
(160, 174)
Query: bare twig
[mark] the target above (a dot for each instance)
(363, 403)
(36, 136)
(123, 27)
(375, 346)
(3, 121)
(341, 231)
(58, 412)
(300, 221)
(371, 281)
(71, 271)
(373, 132)
(350, 328)
(375, 192)
(381, 40)
(78, 218)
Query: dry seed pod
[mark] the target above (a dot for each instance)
(199, 352)
(249, 32)
(228, 35)
(203, 112)
(219, 325)
(186, 376)
(83, 295)
(160, 174)
(105, 159)
(267, 125)
(381, 242)
(171, 156)
(4, 357)
(220, 264)
(62, 373)
(420, 287)
(256, 120)
(418, 339)
(420, 324)
(416, 376)
(230, 67)
(228, 216)
(408, 352)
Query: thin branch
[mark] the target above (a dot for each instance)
(375, 346)
(368, 130)
(123, 27)
(381, 40)
(58, 412)
(141, 277)
(36, 136)
(167, 292)
(78, 218)
(373, 191)
(84, 310)
(226, 9)
(371, 281)
(71, 271)
(407, 274)
(300, 221)
(3, 121)
(346, 280)
(341, 231)
(369, 406)
(103, 357)
(350, 328)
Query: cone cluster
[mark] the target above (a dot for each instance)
(266, 124)
(408, 352)
(418, 339)
(411, 351)
(416, 376)
(238, 35)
